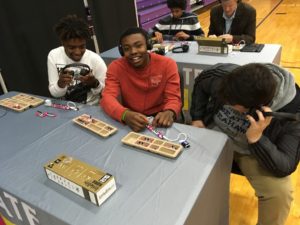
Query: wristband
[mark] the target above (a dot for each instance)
(124, 115)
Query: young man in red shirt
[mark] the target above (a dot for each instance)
(147, 83)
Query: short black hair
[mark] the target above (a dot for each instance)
(70, 27)
(251, 85)
(176, 4)
(133, 30)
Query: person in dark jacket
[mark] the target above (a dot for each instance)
(234, 21)
(266, 149)
(180, 25)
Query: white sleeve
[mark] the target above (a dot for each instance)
(54, 89)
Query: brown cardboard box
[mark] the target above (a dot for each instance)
(87, 181)
(212, 45)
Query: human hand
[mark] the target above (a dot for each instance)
(136, 121)
(164, 119)
(228, 37)
(256, 128)
(89, 80)
(182, 36)
(159, 36)
(64, 80)
(198, 123)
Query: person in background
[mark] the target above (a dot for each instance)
(231, 99)
(148, 84)
(233, 20)
(180, 25)
(74, 33)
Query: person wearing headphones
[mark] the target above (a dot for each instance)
(233, 20)
(73, 33)
(234, 100)
(180, 25)
(148, 84)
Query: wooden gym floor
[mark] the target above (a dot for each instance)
(278, 22)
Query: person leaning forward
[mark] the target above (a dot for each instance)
(231, 99)
(180, 25)
(234, 21)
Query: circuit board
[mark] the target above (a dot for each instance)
(31, 100)
(95, 125)
(14, 105)
(21, 102)
(152, 144)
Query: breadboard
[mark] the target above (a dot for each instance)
(155, 145)
(31, 100)
(21, 102)
(95, 125)
(14, 105)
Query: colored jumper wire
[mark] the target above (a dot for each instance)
(160, 135)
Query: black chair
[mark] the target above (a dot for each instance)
(181, 117)
(236, 169)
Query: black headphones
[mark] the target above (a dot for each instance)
(76, 69)
(135, 30)
(181, 49)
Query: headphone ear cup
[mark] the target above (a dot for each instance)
(84, 72)
(185, 48)
(121, 50)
